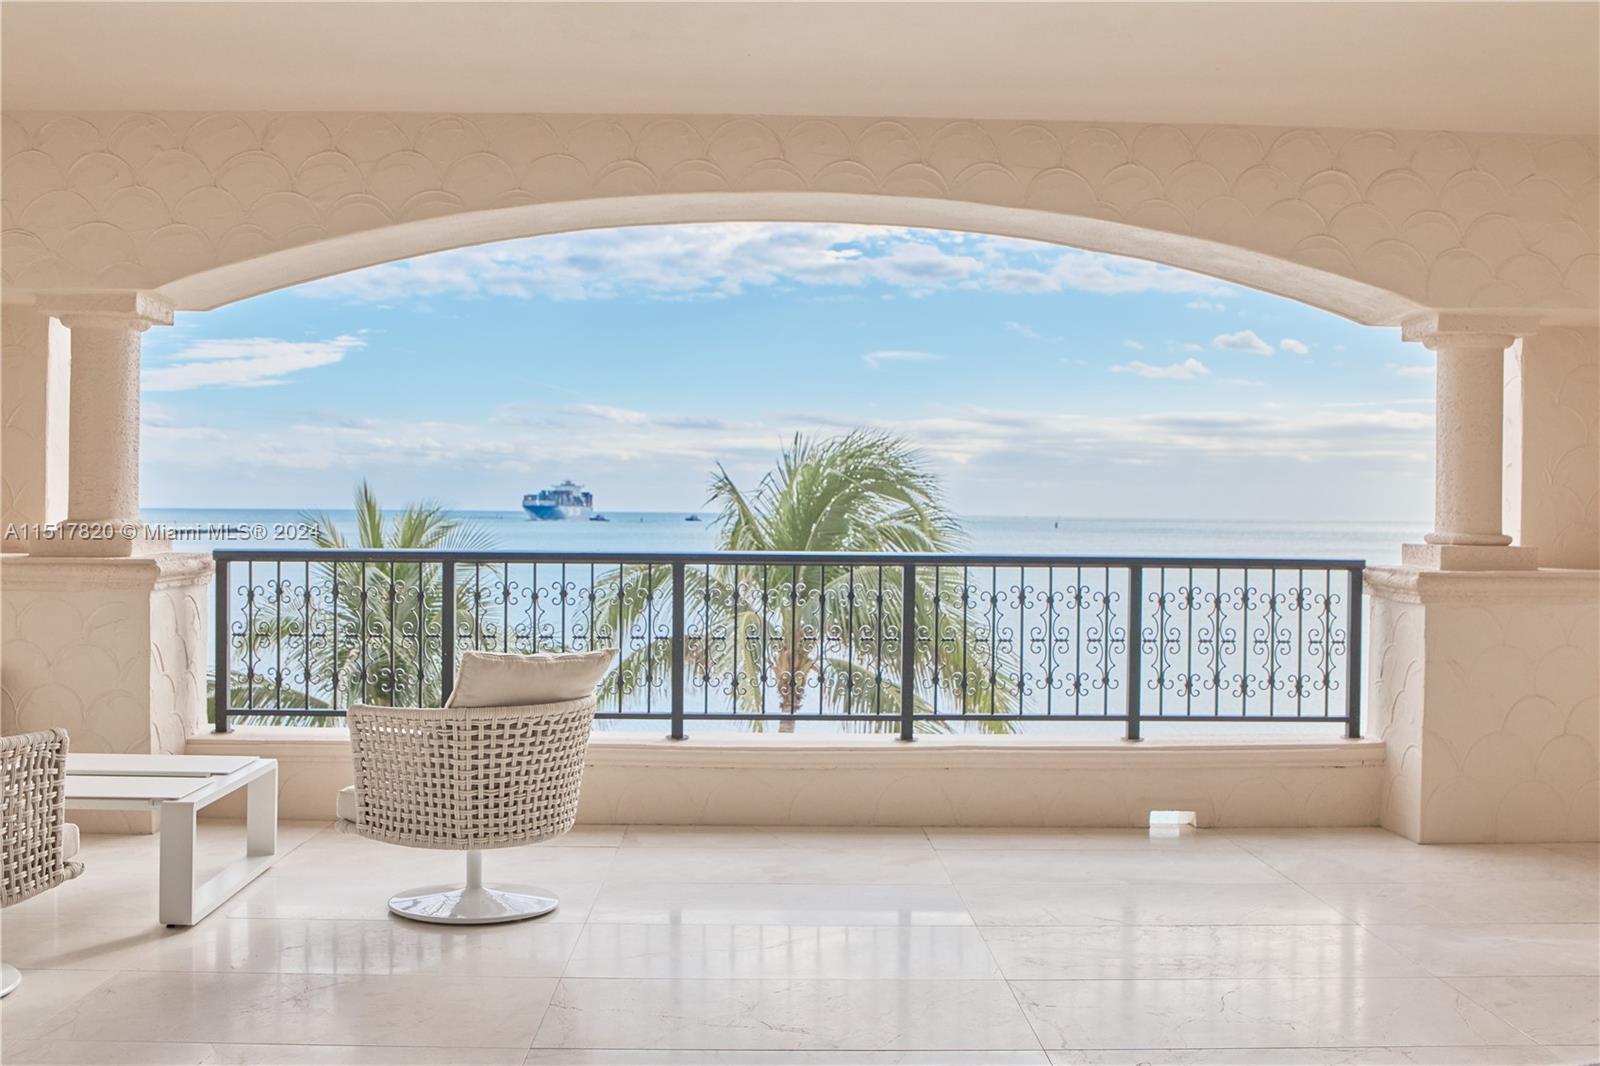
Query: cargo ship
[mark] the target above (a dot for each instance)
(566, 500)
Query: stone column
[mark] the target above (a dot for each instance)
(103, 632)
(1552, 487)
(1470, 431)
(33, 412)
(103, 488)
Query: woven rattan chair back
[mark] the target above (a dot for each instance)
(468, 778)
(33, 775)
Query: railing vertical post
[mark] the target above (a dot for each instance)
(447, 631)
(908, 652)
(677, 652)
(1353, 679)
(1135, 646)
(222, 675)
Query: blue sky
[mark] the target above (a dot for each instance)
(1038, 379)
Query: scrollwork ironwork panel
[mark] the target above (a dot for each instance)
(886, 642)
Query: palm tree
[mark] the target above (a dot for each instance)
(388, 615)
(347, 632)
(815, 635)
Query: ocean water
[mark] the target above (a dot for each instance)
(1373, 542)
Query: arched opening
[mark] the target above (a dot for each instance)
(1120, 408)
(1338, 289)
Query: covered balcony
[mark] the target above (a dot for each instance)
(910, 807)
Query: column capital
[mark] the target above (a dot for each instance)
(134, 309)
(1469, 329)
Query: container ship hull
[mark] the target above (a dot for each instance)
(553, 512)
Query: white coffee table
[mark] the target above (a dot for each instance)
(179, 786)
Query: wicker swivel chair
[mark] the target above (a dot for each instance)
(468, 779)
(38, 842)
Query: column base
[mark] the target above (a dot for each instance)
(1469, 556)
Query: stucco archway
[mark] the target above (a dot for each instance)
(1376, 225)
(1332, 292)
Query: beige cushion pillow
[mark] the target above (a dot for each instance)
(490, 679)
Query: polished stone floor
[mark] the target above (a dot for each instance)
(836, 946)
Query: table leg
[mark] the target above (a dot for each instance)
(261, 814)
(185, 901)
(177, 863)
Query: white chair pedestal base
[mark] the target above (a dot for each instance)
(474, 903)
(10, 978)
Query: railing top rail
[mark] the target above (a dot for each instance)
(755, 558)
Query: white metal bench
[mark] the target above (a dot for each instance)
(179, 786)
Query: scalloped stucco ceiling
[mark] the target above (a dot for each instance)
(1510, 67)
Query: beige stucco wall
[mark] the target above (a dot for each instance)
(112, 650)
(210, 207)
(1485, 689)
(769, 780)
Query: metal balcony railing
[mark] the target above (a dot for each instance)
(897, 643)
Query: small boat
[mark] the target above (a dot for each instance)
(599, 518)
(693, 518)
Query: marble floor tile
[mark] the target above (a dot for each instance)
(1140, 840)
(1147, 904)
(892, 866)
(804, 838)
(1433, 863)
(314, 1009)
(1463, 903)
(1575, 1054)
(126, 1053)
(348, 1055)
(104, 1053)
(295, 898)
(724, 945)
(1197, 867)
(1276, 1012)
(1551, 1010)
(388, 945)
(1571, 950)
(733, 904)
(1193, 951)
(337, 856)
(1529, 1055)
(782, 1015)
(646, 1057)
(846, 952)
(42, 996)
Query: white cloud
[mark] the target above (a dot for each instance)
(1411, 370)
(1025, 331)
(876, 360)
(1184, 371)
(247, 362)
(714, 260)
(1243, 341)
(522, 443)
(1205, 305)
(1289, 344)
(1135, 345)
